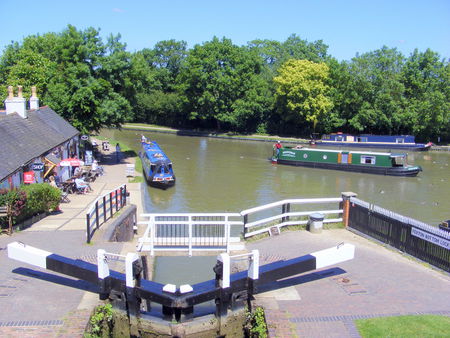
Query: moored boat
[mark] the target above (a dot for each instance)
(357, 161)
(406, 142)
(157, 167)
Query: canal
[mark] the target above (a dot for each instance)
(223, 175)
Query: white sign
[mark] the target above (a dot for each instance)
(445, 243)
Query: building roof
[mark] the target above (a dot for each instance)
(22, 140)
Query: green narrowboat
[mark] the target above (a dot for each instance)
(356, 161)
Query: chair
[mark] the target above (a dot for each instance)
(64, 197)
(81, 187)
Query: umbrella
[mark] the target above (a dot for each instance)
(71, 162)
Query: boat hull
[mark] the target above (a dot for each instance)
(395, 171)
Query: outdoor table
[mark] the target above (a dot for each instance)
(69, 186)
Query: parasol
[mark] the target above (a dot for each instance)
(71, 162)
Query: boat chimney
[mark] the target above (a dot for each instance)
(16, 104)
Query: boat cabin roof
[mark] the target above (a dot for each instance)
(354, 152)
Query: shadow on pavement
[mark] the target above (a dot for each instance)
(293, 281)
(48, 277)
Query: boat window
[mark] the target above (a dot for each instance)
(400, 140)
(398, 161)
(367, 159)
(152, 168)
(339, 138)
(362, 139)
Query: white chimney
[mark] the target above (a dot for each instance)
(16, 104)
(34, 101)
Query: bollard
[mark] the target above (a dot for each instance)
(315, 223)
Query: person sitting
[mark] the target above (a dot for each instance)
(82, 186)
(52, 181)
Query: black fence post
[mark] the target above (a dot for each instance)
(117, 200)
(97, 221)
(125, 195)
(245, 223)
(111, 204)
(104, 208)
(283, 210)
(288, 210)
(88, 228)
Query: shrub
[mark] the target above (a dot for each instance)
(15, 201)
(256, 326)
(41, 197)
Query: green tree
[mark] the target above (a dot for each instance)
(427, 89)
(302, 92)
(222, 85)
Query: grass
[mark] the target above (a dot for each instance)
(405, 326)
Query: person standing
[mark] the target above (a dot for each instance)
(118, 153)
(277, 146)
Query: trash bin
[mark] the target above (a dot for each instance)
(315, 222)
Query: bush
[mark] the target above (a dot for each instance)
(41, 197)
(255, 326)
(15, 201)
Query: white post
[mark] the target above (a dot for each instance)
(131, 257)
(253, 269)
(225, 259)
(102, 264)
(190, 234)
(152, 234)
(227, 233)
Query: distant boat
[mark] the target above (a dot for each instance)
(157, 167)
(406, 142)
(356, 161)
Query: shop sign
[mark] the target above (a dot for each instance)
(37, 166)
(28, 177)
(84, 137)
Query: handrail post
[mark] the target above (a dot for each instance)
(124, 195)
(288, 210)
(104, 208)
(227, 233)
(346, 206)
(110, 204)
(97, 221)
(117, 200)
(190, 235)
(88, 228)
(283, 210)
(245, 223)
(152, 234)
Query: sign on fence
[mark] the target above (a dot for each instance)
(430, 238)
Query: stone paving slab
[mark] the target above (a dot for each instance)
(40, 303)
(378, 282)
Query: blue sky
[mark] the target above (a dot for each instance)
(347, 26)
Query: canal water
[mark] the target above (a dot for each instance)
(223, 175)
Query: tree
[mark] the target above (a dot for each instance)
(427, 89)
(302, 91)
(221, 82)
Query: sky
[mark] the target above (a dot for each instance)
(348, 27)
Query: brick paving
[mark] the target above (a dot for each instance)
(377, 282)
(325, 303)
(35, 302)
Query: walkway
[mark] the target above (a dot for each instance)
(377, 282)
(40, 303)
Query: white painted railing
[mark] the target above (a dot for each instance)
(287, 217)
(183, 231)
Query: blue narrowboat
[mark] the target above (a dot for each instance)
(157, 167)
(406, 142)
